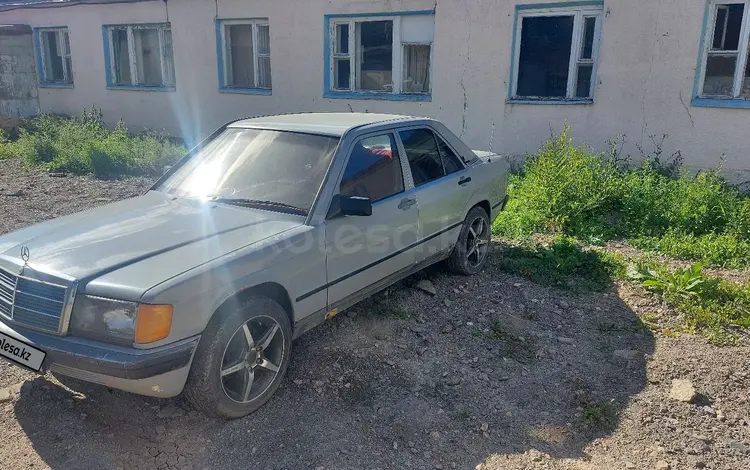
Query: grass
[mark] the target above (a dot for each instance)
(660, 206)
(563, 263)
(83, 145)
(600, 415)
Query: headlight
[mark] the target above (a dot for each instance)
(118, 321)
(104, 319)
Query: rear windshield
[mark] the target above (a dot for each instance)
(277, 166)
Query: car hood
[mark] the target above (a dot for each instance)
(107, 238)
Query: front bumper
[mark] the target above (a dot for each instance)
(160, 371)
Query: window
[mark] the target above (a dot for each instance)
(141, 56)
(373, 169)
(556, 53)
(381, 55)
(56, 66)
(725, 70)
(245, 61)
(429, 157)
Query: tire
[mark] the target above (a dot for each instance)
(463, 260)
(225, 349)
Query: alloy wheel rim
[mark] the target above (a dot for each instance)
(252, 359)
(477, 242)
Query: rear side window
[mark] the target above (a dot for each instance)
(429, 156)
(451, 162)
(373, 169)
(423, 154)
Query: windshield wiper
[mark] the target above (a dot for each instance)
(273, 205)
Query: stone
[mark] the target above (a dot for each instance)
(563, 304)
(662, 465)
(435, 435)
(625, 354)
(427, 286)
(453, 380)
(5, 395)
(447, 328)
(447, 302)
(565, 340)
(682, 390)
(629, 465)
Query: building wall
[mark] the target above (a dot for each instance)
(648, 56)
(18, 87)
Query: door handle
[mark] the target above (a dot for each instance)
(406, 203)
(464, 180)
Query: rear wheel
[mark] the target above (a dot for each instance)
(241, 360)
(471, 251)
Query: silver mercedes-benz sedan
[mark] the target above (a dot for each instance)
(266, 229)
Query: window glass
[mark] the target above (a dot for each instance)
(375, 40)
(277, 166)
(53, 57)
(373, 169)
(240, 48)
(264, 56)
(545, 56)
(423, 155)
(147, 56)
(122, 56)
(723, 54)
(416, 68)
(588, 38)
(450, 160)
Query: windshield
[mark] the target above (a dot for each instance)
(286, 168)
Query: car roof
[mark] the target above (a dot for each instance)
(333, 124)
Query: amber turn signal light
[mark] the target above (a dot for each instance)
(152, 323)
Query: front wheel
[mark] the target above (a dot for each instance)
(241, 359)
(470, 253)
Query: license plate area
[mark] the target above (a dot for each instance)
(21, 353)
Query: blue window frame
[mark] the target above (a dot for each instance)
(723, 71)
(382, 56)
(53, 58)
(139, 57)
(555, 53)
(243, 49)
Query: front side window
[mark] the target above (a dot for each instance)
(556, 53)
(725, 72)
(373, 169)
(56, 62)
(382, 54)
(429, 157)
(141, 55)
(246, 54)
(254, 167)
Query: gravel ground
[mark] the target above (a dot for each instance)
(492, 372)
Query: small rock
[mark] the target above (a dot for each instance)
(625, 354)
(351, 313)
(427, 286)
(298, 381)
(565, 340)
(563, 304)
(435, 435)
(453, 380)
(5, 395)
(720, 415)
(629, 465)
(709, 411)
(662, 465)
(447, 328)
(447, 302)
(484, 427)
(739, 447)
(682, 390)
(381, 335)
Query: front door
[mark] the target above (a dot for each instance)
(443, 190)
(364, 250)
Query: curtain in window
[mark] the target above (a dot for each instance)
(416, 68)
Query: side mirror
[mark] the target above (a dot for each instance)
(349, 205)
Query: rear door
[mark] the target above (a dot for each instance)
(443, 189)
(365, 250)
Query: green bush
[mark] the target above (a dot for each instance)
(83, 145)
(660, 206)
(562, 186)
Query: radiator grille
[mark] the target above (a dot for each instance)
(31, 303)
